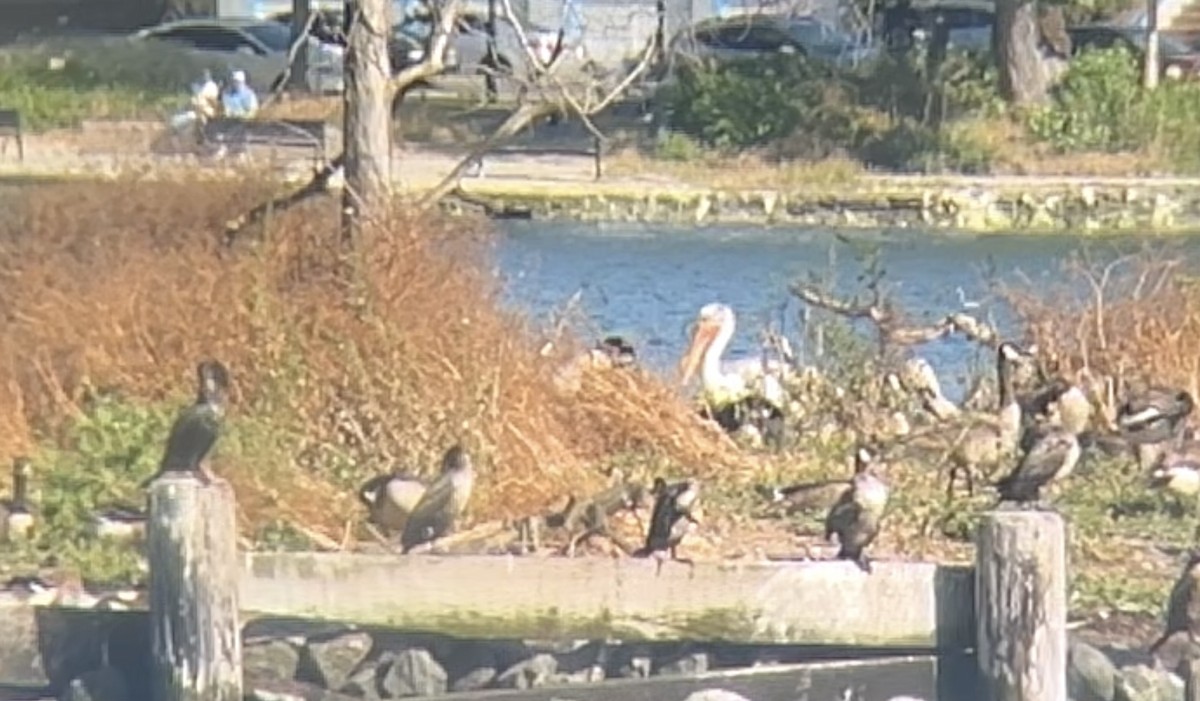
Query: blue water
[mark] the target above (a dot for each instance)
(647, 282)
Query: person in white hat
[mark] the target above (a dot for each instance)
(239, 100)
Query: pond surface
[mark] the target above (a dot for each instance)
(647, 282)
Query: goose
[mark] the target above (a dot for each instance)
(988, 439)
(118, 523)
(856, 516)
(1183, 605)
(441, 505)
(1153, 420)
(729, 382)
(1051, 457)
(16, 511)
(197, 426)
(672, 517)
(390, 499)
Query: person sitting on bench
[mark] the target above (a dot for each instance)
(239, 100)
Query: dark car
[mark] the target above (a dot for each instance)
(757, 35)
(1177, 59)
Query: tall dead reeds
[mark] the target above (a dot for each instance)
(124, 287)
(1133, 319)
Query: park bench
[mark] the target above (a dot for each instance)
(595, 150)
(311, 134)
(11, 130)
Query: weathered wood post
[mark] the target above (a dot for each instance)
(191, 541)
(1192, 681)
(1021, 606)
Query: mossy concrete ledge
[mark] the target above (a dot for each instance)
(898, 605)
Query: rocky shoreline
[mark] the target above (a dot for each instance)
(972, 204)
(1038, 207)
(332, 662)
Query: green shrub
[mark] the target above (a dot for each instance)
(738, 104)
(879, 112)
(1101, 106)
(62, 83)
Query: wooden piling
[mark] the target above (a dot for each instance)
(191, 540)
(1021, 606)
(1191, 683)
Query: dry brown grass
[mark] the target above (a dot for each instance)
(336, 374)
(1015, 153)
(1135, 319)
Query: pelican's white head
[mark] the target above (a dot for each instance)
(711, 319)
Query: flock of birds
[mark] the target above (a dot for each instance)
(1033, 439)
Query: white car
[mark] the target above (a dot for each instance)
(258, 47)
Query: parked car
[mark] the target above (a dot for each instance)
(258, 47)
(468, 50)
(969, 21)
(1177, 59)
(751, 35)
(326, 26)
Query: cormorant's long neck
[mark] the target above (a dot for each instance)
(710, 373)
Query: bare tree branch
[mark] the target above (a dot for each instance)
(433, 63)
(891, 330)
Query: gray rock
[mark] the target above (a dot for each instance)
(412, 672)
(291, 690)
(105, 684)
(272, 659)
(537, 671)
(1142, 683)
(1091, 676)
(715, 695)
(330, 663)
(685, 664)
(363, 684)
(632, 662)
(474, 680)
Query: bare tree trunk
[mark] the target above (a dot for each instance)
(1024, 77)
(299, 75)
(367, 109)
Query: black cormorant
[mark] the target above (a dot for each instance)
(198, 426)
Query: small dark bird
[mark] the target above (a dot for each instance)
(1052, 455)
(1183, 606)
(671, 518)
(17, 511)
(753, 412)
(198, 426)
(442, 503)
(390, 499)
(619, 350)
(856, 516)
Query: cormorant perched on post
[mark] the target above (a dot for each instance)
(198, 426)
(442, 503)
(671, 517)
(1183, 606)
(16, 511)
(856, 516)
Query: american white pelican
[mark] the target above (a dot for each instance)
(733, 381)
